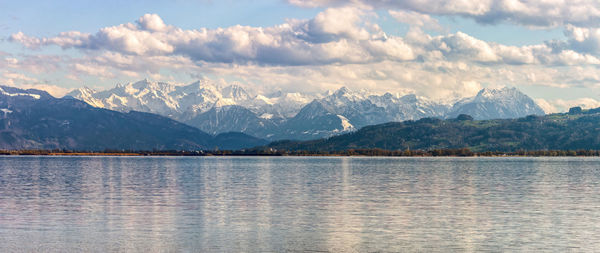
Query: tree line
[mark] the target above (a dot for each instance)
(461, 152)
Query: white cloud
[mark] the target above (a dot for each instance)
(463, 46)
(32, 63)
(546, 13)
(561, 105)
(585, 40)
(545, 105)
(93, 70)
(336, 23)
(18, 76)
(339, 47)
(334, 36)
(54, 90)
(416, 19)
(152, 22)
(23, 81)
(64, 40)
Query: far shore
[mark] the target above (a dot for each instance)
(348, 153)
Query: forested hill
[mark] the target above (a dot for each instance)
(578, 129)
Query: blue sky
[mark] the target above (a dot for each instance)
(436, 48)
(51, 17)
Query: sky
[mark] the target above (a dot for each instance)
(441, 49)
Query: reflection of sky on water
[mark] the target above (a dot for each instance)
(277, 204)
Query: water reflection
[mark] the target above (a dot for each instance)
(275, 204)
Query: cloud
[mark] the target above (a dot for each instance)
(18, 76)
(561, 105)
(314, 3)
(333, 36)
(55, 91)
(463, 47)
(23, 81)
(93, 70)
(553, 13)
(585, 40)
(152, 22)
(64, 40)
(340, 46)
(416, 19)
(335, 23)
(32, 63)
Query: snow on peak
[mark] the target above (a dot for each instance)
(266, 116)
(5, 93)
(235, 92)
(346, 125)
(353, 95)
(354, 108)
(342, 91)
(496, 104)
(496, 93)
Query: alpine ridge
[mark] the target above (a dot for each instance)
(33, 119)
(217, 109)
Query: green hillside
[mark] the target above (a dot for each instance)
(578, 129)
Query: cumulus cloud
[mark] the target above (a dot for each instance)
(64, 40)
(338, 47)
(152, 22)
(333, 36)
(335, 23)
(463, 47)
(585, 13)
(416, 19)
(561, 105)
(585, 40)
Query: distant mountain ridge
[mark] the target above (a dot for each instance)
(576, 130)
(33, 119)
(215, 109)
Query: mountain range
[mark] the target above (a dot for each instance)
(33, 119)
(576, 130)
(216, 109)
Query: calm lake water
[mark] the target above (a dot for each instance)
(278, 204)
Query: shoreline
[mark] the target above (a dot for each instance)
(302, 154)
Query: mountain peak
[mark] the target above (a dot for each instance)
(497, 104)
(187, 103)
(504, 91)
(341, 92)
(347, 94)
(81, 92)
(235, 92)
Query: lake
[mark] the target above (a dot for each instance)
(298, 204)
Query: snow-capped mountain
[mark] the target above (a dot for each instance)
(232, 118)
(278, 104)
(281, 115)
(497, 104)
(33, 119)
(345, 110)
(186, 102)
